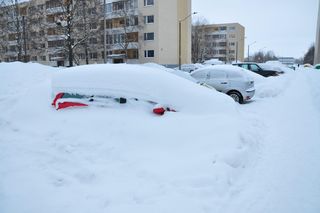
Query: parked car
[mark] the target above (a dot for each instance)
(190, 67)
(307, 66)
(317, 66)
(231, 80)
(254, 67)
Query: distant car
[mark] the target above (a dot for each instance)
(231, 80)
(190, 67)
(317, 66)
(254, 67)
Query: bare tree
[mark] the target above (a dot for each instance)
(12, 26)
(261, 57)
(75, 21)
(198, 40)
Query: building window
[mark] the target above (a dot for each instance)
(149, 19)
(12, 48)
(149, 36)
(118, 6)
(133, 54)
(109, 8)
(93, 55)
(149, 53)
(222, 44)
(222, 28)
(93, 41)
(34, 58)
(43, 58)
(56, 43)
(148, 2)
(93, 26)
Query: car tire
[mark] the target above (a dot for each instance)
(236, 96)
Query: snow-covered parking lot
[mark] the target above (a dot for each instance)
(212, 155)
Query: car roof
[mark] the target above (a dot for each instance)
(225, 68)
(246, 63)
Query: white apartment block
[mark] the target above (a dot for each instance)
(224, 42)
(135, 31)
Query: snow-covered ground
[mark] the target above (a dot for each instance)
(263, 156)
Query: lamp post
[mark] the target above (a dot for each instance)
(249, 49)
(180, 36)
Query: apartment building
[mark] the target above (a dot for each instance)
(116, 31)
(224, 42)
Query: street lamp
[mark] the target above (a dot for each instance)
(181, 20)
(249, 49)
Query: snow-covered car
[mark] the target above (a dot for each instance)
(213, 61)
(190, 67)
(254, 67)
(130, 85)
(231, 80)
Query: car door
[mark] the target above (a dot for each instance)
(218, 79)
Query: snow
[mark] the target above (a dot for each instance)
(213, 62)
(258, 157)
(277, 66)
(173, 71)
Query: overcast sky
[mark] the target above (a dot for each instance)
(288, 27)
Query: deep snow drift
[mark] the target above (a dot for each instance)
(259, 157)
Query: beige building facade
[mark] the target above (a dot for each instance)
(136, 31)
(224, 42)
(167, 14)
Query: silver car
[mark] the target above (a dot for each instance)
(231, 80)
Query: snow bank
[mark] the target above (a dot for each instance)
(118, 158)
(15, 77)
(134, 81)
(124, 158)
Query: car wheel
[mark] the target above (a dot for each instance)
(237, 97)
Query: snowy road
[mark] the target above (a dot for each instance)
(286, 177)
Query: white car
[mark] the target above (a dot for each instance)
(231, 80)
